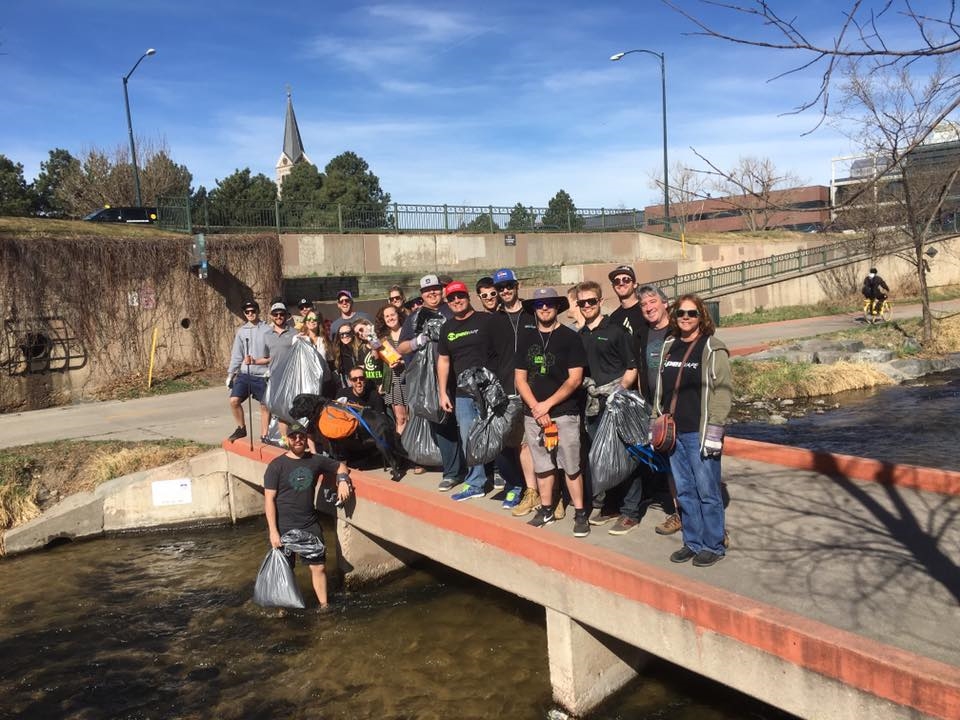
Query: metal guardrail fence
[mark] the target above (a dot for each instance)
(178, 214)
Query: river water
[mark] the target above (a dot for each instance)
(160, 625)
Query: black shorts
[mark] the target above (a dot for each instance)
(307, 543)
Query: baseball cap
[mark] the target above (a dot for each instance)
(277, 306)
(344, 292)
(429, 282)
(250, 305)
(622, 270)
(304, 303)
(504, 276)
(296, 428)
(455, 287)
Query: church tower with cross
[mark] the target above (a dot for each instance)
(292, 145)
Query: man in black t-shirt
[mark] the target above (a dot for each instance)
(412, 338)
(289, 500)
(550, 362)
(624, 282)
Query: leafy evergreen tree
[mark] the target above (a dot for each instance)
(242, 200)
(482, 223)
(52, 172)
(160, 175)
(16, 197)
(349, 182)
(561, 213)
(521, 218)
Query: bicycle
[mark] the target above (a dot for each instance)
(884, 314)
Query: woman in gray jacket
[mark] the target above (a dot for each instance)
(703, 399)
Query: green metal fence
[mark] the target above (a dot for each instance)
(179, 214)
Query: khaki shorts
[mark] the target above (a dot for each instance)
(567, 455)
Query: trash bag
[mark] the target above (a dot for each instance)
(276, 584)
(610, 461)
(484, 387)
(418, 443)
(300, 369)
(423, 395)
(633, 413)
(489, 434)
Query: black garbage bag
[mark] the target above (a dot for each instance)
(301, 369)
(610, 461)
(494, 431)
(423, 395)
(276, 584)
(484, 387)
(418, 443)
(633, 416)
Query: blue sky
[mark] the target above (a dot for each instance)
(472, 103)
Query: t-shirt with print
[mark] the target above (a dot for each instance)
(547, 356)
(468, 343)
(631, 318)
(295, 480)
(687, 413)
(609, 351)
(655, 340)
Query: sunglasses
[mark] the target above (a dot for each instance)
(544, 304)
(487, 295)
(279, 313)
(508, 286)
(396, 298)
(589, 302)
(453, 297)
(249, 312)
(623, 280)
(346, 334)
(311, 319)
(356, 378)
(688, 313)
(297, 437)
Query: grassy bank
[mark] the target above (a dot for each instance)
(35, 477)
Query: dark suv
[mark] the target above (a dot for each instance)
(124, 215)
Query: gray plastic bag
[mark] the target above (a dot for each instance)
(418, 443)
(423, 395)
(276, 584)
(491, 433)
(610, 461)
(300, 369)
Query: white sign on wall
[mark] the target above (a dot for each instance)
(172, 492)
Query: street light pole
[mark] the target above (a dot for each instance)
(663, 107)
(133, 148)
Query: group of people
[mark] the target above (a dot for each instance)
(563, 357)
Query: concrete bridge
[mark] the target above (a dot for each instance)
(840, 597)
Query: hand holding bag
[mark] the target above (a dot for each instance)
(663, 429)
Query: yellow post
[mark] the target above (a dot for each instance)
(683, 245)
(153, 352)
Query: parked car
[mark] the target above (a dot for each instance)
(124, 215)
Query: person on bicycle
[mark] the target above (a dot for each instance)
(875, 290)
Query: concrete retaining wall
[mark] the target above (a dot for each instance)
(190, 491)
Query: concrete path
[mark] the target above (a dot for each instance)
(204, 415)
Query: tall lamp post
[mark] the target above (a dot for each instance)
(663, 97)
(133, 148)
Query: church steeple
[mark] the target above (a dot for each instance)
(292, 144)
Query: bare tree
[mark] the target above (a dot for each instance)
(755, 188)
(890, 113)
(687, 193)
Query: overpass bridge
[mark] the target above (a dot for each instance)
(839, 598)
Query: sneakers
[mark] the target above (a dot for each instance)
(682, 555)
(706, 558)
(446, 484)
(467, 492)
(512, 498)
(602, 517)
(528, 503)
(581, 526)
(560, 511)
(543, 517)
(669, 526)
(240, 432)
(726, 538)
(623, 525)
(498, 482)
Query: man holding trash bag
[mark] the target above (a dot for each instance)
(246, 374)
(289, 499)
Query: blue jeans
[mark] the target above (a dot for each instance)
(508, 463)
(467, 415)
(445, 435)
(697, 480)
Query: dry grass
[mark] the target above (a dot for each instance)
(46, 227)
(946, 336)
(35, 477)
(761, 236)
(783, 379)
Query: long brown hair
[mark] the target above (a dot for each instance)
(705, 321)
(380, 325)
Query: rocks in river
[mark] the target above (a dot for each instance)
(777, 420)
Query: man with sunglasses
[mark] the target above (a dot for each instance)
(304, 308)
(550, 363)
(624, 282)
(412, 338)
(246, 373)
(487, 292)
(289, 500)
(347, 313)
(278, 338)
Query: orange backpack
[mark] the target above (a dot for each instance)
(337, 422)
